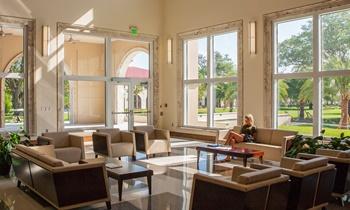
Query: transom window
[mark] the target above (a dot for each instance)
(210, 80)
(311, 75)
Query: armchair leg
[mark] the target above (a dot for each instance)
(108, 204)
(147, 156)
(133, 158)
(19, 183)
(154, 155)
(169, 153)
(96, 155)
(119, 158)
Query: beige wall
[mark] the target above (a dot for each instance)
(113, 14)
(185, 15)
(10, 47)
(158, 17)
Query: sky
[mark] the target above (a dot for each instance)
(141, 60)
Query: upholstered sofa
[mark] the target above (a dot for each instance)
(273, 142)
(111, 142)
(311, 182)
(150, 140)
(68, 147)
(63, 185)
(248, 188)
(341, 160)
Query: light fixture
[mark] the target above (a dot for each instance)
(46, 40)
(170, 51)
(252, 37)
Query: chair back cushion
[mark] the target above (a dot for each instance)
(277, 136)
(263, 135)
(51, 161)
(259, 175)
(310, 164)
(238, 170)
(147, 128)
(114, 132)
(61, 139)
(46, 149)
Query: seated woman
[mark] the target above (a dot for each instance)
(246, 134)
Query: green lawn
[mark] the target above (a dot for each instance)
(307, 130)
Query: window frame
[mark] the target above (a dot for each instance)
(209, 33)
(107, 78)
(317, 74)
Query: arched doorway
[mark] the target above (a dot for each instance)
(12, 95)
(132, 90)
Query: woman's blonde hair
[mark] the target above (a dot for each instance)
(250, 117)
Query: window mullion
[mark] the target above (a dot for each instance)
(317, 110)
(210, 64)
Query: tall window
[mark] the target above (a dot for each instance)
(312, 73)
(210, 81)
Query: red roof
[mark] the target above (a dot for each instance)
(136, 72)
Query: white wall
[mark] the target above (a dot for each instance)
(113, 14)
(184, 15)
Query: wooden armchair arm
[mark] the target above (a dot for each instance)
(102, 143)
(43, 140)
(77, 141)
(141, 140)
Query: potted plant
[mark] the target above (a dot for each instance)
(304, 144)
(7, 143)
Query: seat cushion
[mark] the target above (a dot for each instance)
(157, 146)
(238, 170)
(40, 156)
(122, 149)
(61, 139)
(114, 132)
(68, 154)
(271, 152)
(277, 136)
(263, 135)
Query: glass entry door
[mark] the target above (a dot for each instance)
(130, 104)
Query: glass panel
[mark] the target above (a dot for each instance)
(295, 108)
(196, 106)
(84, 55)
(225, 55)
(120, 109)
(196, 59)
(336, 106)
(84, 104)
(14, 104)
(294, 46)
(130, 59)
(140, 95)
(335, 40)
(225, 113)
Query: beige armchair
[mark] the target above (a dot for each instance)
(68, 147)
(311, 182)
(151, 140)
(111, 142)
(249, 188)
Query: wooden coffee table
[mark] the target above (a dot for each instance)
(243, 153)
(128, 171)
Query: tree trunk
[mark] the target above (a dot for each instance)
(344, 116)
(301, 110)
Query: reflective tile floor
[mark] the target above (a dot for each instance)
(171, 183)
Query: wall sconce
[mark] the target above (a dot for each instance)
(252, 37)
(46, 40)
(170, 51)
